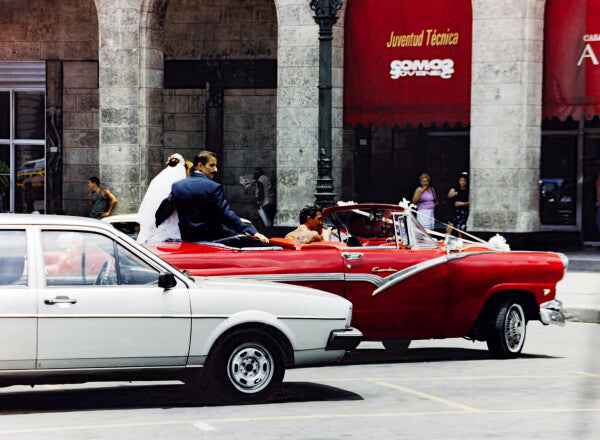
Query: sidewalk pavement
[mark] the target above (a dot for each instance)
(579, 290)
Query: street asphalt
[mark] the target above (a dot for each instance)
(579, 290)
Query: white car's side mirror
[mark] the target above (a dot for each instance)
(167, 280)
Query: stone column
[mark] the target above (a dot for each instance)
(119, 89)
(297, 108)
(506, 98)
(337, 91)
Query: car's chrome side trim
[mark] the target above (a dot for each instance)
(18, 316)
(376, 280)
(409, 272)
(115, 315)
(322, 318)
(300, 277)
(149, 316)
(289, 277)
(86, 370)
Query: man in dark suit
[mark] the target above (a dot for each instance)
(204, 213)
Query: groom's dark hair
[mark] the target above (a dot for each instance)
(203, 157)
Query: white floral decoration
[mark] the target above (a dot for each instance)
(498, 242)
(407, 205)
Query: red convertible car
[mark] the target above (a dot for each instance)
(403, 284)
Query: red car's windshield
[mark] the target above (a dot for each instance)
(363, 223)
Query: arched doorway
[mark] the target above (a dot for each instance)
(220, 87)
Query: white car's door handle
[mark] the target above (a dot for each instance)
(349, 256)
(60, 300)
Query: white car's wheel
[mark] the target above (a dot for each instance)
(506, 335)
(247, 365)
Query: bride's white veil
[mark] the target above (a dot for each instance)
(158, 190)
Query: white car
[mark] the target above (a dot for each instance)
(82, 301)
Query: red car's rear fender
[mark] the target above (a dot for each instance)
(528, 295)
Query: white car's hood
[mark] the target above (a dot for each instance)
(277, 298)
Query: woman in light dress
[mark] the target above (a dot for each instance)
(158, 190)
(425, 199)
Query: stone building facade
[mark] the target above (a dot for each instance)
(133, 81)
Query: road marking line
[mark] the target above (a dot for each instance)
(355, 379)
(204, 426)
(586, 374)
(426, 396)
(296, 417)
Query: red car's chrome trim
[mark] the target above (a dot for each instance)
(288, 277)
(424, 265)
(409, 272)
(300, 277)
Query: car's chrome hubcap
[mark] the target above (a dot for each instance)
(250, 368)
(514, 328)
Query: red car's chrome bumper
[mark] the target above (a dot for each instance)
(550, 313)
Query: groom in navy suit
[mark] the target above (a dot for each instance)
(204, 213)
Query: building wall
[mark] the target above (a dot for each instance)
(277, 129)
(184, 121)
(36, 30)
(220, 29)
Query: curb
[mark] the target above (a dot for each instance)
(583, 265)
(574, 314)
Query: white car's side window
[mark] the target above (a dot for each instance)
(13, 259)
(133, 270)
(77, 258)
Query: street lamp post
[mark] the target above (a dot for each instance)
(325, 16)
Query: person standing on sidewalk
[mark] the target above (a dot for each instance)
(425, 198)
(102, 203)
(265, 198)
(460, 200)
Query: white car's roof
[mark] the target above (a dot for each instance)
(121, 218)
(44, 219)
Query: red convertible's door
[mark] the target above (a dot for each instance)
(416, 307)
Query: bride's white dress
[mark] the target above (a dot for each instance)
(158, 190)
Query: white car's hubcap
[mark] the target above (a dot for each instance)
(250, 367)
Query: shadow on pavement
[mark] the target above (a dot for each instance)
(133, 396)
(441, 354)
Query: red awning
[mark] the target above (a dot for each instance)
(407, 62)
(572, 59)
